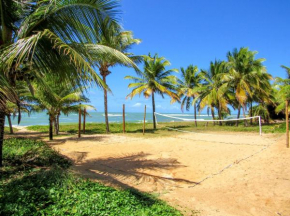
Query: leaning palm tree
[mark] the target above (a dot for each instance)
(112, 35)
(244, 76)
(50, 37)
(187, 88)
(155, 79)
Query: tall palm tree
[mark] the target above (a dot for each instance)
(112, 35)
(215, 90)
(155, 79)
(244, 75)
(187, 88)
(50, 37)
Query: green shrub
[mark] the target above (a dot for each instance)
(35, 181)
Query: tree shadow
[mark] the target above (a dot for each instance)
(135, 168)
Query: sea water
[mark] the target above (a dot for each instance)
(99, 117)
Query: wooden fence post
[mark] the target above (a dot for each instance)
(124, 129)
(84, 123)
(144, 120)
(80, 121)
(287, 124)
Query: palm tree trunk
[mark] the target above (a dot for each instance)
(244, 114)
(55, 126)
(10, 123)
(2, 124)
(239, 111)
(251, 111)
(58, 124)
(195, 115)
(153, 106)
(220, 114)
(212, 114)
(50, 127)
(106, 105)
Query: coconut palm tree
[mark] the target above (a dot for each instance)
(57, 99)
(281, 88)
(50, 37)
(244, 75)
(155, 79)
(112, 35)
(187, 88)
(215, 90)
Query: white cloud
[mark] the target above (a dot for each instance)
(137, 105)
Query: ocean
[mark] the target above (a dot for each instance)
(98, 117)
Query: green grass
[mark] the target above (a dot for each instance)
(135, 128)
(7, 130)
(35, 180)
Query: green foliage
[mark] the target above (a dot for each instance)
(35, 181)
(154, 79)
(93, 128)
(135, 128)
(7, 130)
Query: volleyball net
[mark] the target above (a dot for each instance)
(187, 123)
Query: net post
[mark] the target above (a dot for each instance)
(260, 126)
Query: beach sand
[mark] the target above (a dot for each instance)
(221, 174)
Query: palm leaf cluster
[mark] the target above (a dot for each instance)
(238, 83)
(154, 79)
(55, 38)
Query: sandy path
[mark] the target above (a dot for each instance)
(256, 180)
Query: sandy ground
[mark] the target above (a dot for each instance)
(215, 174)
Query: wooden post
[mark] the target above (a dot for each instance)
(80, 121)
(124, 129)
(144, 120)
(84, 122)
(287, 124)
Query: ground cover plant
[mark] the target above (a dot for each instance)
(35, 180)
(162, 128)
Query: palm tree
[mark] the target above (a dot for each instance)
(112, 35)
(244, 75)
(57, 99)
(50, 37)
(215, 90)
(155, 79)
(187, 88)
(283, 86)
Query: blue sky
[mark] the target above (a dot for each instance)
(197, 32)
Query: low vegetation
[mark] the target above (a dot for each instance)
(162, 129)
(35, 180)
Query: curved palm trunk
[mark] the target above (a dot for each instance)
(10, 123)
(50, 127)
(153, 106)
(2, 124)
(106, 105)
(239, 111)
(195, 115)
